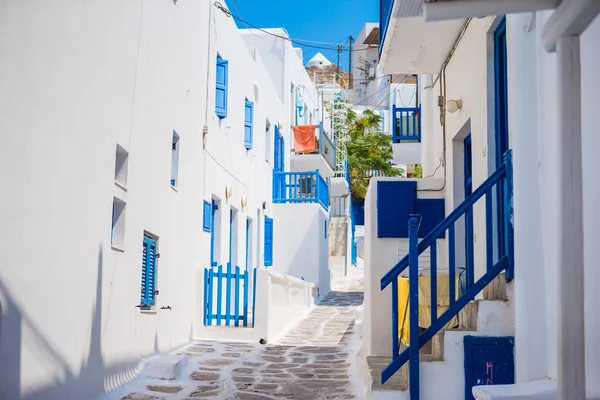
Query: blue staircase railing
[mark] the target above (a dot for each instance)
(500, 179)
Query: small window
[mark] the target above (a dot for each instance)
(117, 233)
(221, 87)
(268, 141)
(206, 224)
(268, 242)
(325, 229)
(149, 257)
(248, 124)
(121, 162)
(175, 160)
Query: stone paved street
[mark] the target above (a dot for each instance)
(314, 361)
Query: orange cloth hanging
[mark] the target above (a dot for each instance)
(305, 140)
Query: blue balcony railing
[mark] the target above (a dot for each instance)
(385, 14)
(406, 124)
(300, 187)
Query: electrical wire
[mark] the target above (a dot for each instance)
(382, 89)
(299, 42)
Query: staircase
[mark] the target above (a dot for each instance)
(338, 230)
(437, 353)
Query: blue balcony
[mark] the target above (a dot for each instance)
(300, 187)
(322, 158)
(407, 125)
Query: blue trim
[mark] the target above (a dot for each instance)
(470, 343)
(214, 207)
(501, 118)
(248, 124)
(206, 218)
(385, 14)
(253, 296)
(221, 87)
(469, 231)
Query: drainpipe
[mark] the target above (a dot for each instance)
(571, 331)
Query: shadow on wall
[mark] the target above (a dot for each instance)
(93, 377)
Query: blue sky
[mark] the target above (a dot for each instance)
(320, 20)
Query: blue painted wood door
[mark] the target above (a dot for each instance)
(488, 361)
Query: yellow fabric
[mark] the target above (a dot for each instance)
(443, 302)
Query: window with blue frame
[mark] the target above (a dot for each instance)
(221, 87)
(149, 257)
(207, 217)
(248, 124)
(268, 242)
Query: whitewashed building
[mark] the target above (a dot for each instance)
(139, 145)
(508, 140)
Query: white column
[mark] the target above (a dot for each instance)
(571, 346)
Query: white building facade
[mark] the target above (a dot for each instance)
(140, 143)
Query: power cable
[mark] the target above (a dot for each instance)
(298, 42)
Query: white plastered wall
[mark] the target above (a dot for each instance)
(300, 246)
(77, 79)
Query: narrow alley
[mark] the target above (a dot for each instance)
(315, 360)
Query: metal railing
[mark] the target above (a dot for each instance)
(406, 124)
(501, 182)
(300, 187)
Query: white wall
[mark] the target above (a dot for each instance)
(534, 72)
(78, 80)
(281, 301)
(380, 256)
(301, 248)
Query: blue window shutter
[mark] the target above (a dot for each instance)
(268, 242)
(276, 149)
(221, 87)
(248, 124)
(206, 216)
(281, 154)
(396, 201)
(148, 271)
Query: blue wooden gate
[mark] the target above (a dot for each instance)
(226, 296)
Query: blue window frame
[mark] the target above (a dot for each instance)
(215, 208)
(468, 171)
(268, 242)
(221, 87)
(206, 221)
(500, 118)
(148, 295)
(248, 124)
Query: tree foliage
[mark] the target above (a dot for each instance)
(369, 151)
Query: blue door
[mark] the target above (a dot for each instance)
(501, 120)
(468, 171)
(488, 361)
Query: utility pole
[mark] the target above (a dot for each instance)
(350, 77)
(338, 60)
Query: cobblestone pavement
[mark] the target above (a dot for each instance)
(314, 361)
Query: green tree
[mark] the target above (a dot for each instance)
(369, 151)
